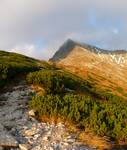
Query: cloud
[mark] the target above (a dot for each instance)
(115, 31)
(37, 27)
(25, 49)
(33, 51)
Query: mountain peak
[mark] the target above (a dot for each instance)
(69, 45)
(70, 41)
(64, 50)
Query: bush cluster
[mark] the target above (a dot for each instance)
(97, 111)
(105, 119)
(12, 64)
(54, 81)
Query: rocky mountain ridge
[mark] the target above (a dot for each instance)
(117, 56)
(86, 60)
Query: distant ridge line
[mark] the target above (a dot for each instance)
(69, 44)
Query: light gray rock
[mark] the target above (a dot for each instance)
(31, 113)
(4, 135)
(6, 140)
(23, 147)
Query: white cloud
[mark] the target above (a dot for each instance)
(25, 49)
(25, 23)
(33, 51)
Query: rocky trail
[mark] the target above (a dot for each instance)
(20, 131)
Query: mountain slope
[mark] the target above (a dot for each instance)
(105, 68)
(13, 64)
(57, 95)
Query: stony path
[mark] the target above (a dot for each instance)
(20, 131)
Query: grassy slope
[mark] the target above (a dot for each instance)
(98, 79)
(13, 64)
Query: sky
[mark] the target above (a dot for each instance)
(38, 27)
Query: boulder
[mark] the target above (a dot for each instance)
(23, 147)
(6, 140)
(31, 113)
(30, 132)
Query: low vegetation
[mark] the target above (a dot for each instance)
(56, 81)
(78, 101)
(105, 119)
(69, 97)
(12, 64)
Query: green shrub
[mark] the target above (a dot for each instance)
(105, 119)
(54, 81)
(119, 89)
(12, 64)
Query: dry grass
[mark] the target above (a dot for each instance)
(38, 89)
(55, 120)
(101, 143)
(106, 73)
